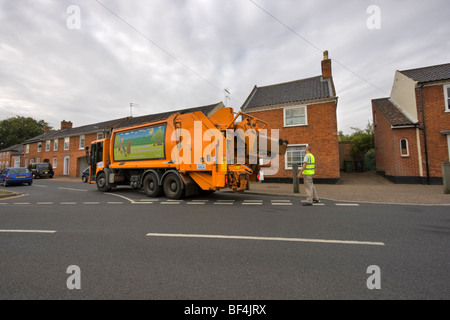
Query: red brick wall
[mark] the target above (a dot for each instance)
(320, 134)
(387, 148)
(436, 120)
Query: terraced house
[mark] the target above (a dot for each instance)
(412, 126)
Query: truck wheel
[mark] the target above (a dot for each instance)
(172, 186)
(101, 182)
(151, 186)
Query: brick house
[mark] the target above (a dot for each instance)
(64, 149)
(304, 111)
(412, 126)
(11, 156)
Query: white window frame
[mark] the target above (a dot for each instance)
(47, 145)
(407, 147)
(66, 143)
(286, 166)
(82, 141)
(55, 162)
(55, 145)
(27, 148)
(39, 146)
(298, 124)
(99, 135)
(447, 97)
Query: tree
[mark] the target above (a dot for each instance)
(363, 141)
(17, 129)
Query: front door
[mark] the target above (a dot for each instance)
(66, 165)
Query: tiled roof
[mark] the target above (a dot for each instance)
(300, 90)
(392, 113)
(96, 127)
(162, 116)
(429, 74)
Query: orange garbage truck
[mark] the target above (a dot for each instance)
(183, 155)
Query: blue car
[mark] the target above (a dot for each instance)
(15, 176)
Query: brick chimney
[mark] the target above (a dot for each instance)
(47, 128)
(66, 124)
(326, 66)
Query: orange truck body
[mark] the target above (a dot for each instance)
(182, 155)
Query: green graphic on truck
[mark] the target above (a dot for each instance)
(141, 144)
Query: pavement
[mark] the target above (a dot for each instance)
(363, 187)
(366, 187)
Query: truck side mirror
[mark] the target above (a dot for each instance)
(88, 158)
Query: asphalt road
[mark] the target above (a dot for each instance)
(223, 246)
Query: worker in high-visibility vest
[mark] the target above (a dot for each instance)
(308, 172)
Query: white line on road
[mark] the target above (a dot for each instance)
(67, 203)
(113, 202)
(72, 189)
(39, 185)
(348, 204)
(170, 202)
(19, 203)
(44, 203)
(91, 202)
(212, 236)
(281, 204)
(28, 231)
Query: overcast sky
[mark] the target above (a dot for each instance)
(87, 60)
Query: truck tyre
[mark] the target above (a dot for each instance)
(101, 182)
(173, 187)
(151, 185)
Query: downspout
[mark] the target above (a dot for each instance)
(424, 134)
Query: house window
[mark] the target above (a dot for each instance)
(404, 150)
(295, 116)
(27, 148)
(66, 143)
(39, 146)
(99, 135)
(55, 145)
(447, 97)
(47, 145)
(82, 140)
(55, 162)
(294, 154)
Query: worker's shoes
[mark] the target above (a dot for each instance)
(316, 201)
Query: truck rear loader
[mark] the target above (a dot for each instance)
(183, 155)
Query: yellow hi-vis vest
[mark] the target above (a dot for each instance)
(310, 165)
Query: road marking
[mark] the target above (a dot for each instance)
(91, 202)
(28, 231)
(212, 236)
(44, 203)
(196, 202)
(224, 203)
(280, 200)
(19, 203)
(251, 203)
(72, 189)
(170, 202)
(149, 199)
(39, 185)
(281, 204)
(112, 202)
(142, 202)
(347, 204)
(67, 203)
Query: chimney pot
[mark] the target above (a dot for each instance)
(326, 65)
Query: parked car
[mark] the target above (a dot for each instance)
(40, 170)
(85, 175)
(10, 176)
